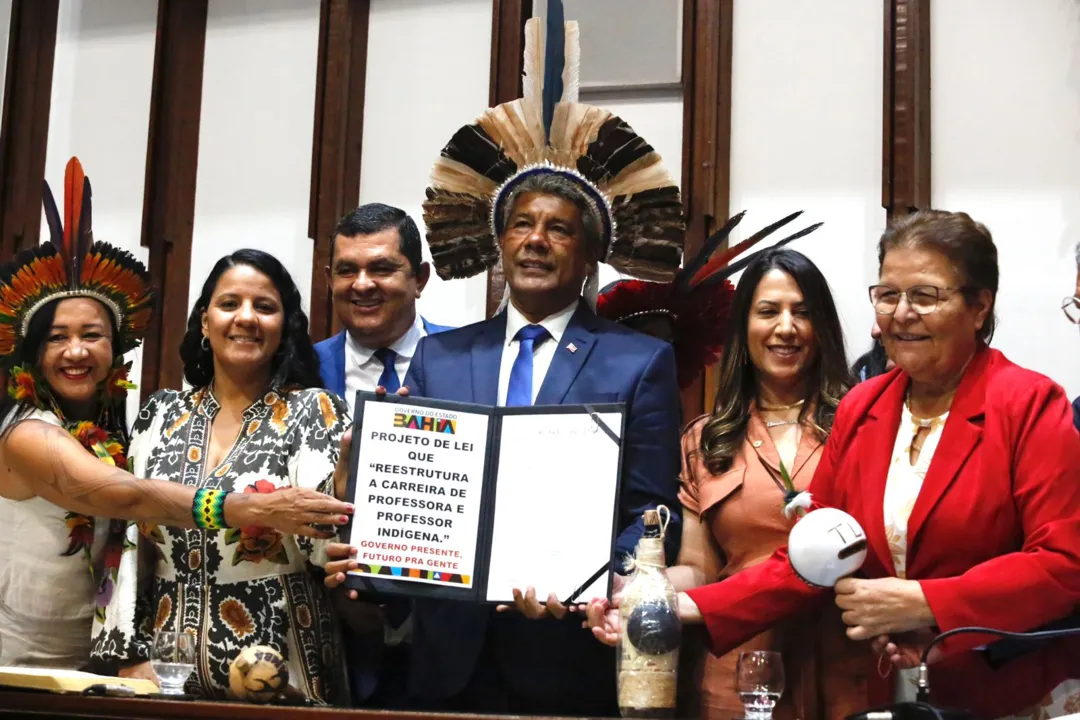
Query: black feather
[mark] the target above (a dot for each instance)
(473, 147)
(615, 148)
(712, 264)
(682, 279)
(744, 261)
(52, 215)
(85, 239)
(554, 61)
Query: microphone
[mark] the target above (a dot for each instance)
(922, 709)
(922, 690)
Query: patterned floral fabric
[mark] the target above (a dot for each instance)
(242, 586)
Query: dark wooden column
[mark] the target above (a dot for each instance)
(905, 157)
(507, 59)
(706, 175)
(172, 154)
(338, 139)
(25, 127)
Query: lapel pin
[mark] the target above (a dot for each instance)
(572, 347)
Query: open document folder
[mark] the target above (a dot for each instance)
(467, 502)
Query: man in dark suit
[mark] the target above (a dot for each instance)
(376, 275)
(546, 348)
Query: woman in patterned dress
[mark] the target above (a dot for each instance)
(254, 422)
(960, 466)
(69, 310)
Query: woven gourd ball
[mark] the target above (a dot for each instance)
(258, 675)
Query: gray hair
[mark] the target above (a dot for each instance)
(552, 183)
(1077, 251)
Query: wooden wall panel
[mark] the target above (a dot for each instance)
(338, 140)
(706, 177)
(507, 59)
(172, 154)
(24, 130)
(905, 157)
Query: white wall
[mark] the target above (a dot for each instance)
(806, 134)
(100, 112)
(427, 75)
(806, 131)
(255, 135)
(1006, 149)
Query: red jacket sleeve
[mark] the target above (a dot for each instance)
(1040, 582)
(750, 602)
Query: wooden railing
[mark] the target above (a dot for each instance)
(32, 704)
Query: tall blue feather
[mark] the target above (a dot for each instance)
(554, 60)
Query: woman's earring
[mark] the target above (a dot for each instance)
(205, 344)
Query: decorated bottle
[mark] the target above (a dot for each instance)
(648, 657)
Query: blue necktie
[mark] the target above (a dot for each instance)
(520, 390)
(389, 378)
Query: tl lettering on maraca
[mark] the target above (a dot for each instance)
(825, 544)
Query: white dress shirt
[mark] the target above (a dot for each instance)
(543, 352)
(363, 369)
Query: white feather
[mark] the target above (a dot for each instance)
(532, 83)
(571, 78)
(801, 502)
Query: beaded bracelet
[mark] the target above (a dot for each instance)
(208, 509)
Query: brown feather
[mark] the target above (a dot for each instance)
(473, 147)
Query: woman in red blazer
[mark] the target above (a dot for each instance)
(985, 530)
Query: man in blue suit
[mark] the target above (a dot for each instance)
(376, 275)
(547, 348)
(552, 188)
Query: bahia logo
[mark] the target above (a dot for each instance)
(428, 423)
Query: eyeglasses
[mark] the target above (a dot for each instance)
(923, 299)
(1071, 307)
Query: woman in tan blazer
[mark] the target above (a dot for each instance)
(782, 375)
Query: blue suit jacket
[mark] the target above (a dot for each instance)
(611, 364)
(331, 352)
(364, 655)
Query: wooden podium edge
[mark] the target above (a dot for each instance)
(15, 703)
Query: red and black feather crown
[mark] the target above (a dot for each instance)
(697, 302)
(71, 264)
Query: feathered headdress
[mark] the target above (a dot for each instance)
(697, 303)
(71, 264)
(547, 131)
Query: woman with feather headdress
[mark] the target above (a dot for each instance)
(69, 310)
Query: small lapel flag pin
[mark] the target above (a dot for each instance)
(572, 347)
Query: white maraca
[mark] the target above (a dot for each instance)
(825, 545)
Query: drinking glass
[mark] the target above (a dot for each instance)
(760, 682)
(173, 659)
